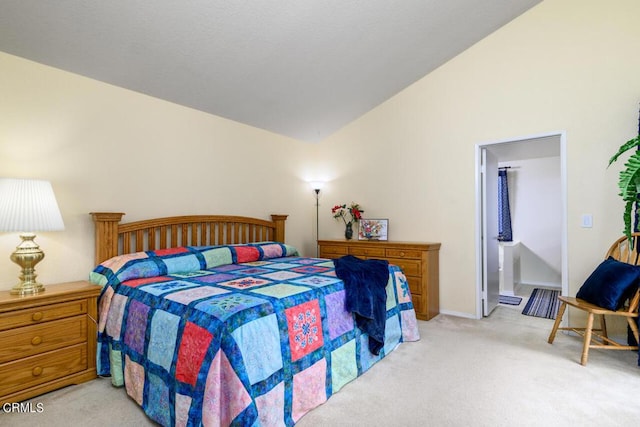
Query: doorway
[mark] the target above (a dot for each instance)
(543, 250)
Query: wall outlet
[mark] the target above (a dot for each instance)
(587, 221)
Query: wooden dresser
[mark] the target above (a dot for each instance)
(419, 261)
(48, 340)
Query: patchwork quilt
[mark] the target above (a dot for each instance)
(235, 335)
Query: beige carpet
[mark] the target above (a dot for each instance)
(498, 371)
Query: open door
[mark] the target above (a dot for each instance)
(490, 274)
(486, 155)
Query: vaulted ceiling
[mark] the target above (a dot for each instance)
(300, 68)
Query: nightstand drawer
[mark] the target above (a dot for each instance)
(42, 368)
(46, 313)
(332, 251)
(366, 252)
(403, 253)
(29, 340)
(408, 266)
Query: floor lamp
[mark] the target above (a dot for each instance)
(317, 186)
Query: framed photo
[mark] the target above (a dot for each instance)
(373, 229)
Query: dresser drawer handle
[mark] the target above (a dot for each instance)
(37, 316)
(36, 340)
(37, 371)
(401, 253)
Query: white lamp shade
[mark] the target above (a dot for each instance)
(316, 185)
(28, 205)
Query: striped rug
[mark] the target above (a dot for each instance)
(542, 303)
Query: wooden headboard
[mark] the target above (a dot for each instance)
(114, 238)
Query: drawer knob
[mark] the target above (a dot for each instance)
(37, 316)
(401, 253)
(36, 371)
(36, 340)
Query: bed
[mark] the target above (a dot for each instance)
(215, 320)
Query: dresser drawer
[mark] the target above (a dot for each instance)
(418, 302)
(409, 267)
(366, 252)
(333, 251)
(29, 340)
(42, 368)
(31, 316)
(418, 261)
(403, 253)
(414, 285)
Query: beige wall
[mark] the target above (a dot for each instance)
(109, 149)
(566, 65)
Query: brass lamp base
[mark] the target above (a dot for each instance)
(27, 255)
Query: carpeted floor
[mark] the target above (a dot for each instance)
(497, 371)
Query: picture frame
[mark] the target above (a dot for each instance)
(373, 229)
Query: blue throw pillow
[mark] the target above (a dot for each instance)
(610, 284)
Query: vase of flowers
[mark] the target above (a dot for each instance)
(348, 215)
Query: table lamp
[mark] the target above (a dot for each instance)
(26, 206)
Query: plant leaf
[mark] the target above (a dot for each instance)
(629, 177)
(635, 142)
(628, 184)
(628, 207)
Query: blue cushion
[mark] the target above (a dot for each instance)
(610, 284)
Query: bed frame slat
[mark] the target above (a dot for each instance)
(114, 238)
(126, 243)
(152, 237)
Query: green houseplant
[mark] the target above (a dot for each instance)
(629, 182)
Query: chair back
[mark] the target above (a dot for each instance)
(621, 250)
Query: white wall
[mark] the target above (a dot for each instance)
(535, 198)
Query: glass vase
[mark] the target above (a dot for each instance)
(348, 231)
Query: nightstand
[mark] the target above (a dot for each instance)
(48, 340)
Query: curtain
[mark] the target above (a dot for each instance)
(504, 213)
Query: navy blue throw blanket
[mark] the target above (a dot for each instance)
(365, 282)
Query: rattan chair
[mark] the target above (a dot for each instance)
(597, 338)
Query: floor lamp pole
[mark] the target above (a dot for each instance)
(317, 191)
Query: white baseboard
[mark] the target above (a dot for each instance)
(458, 314)
(542, 284)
